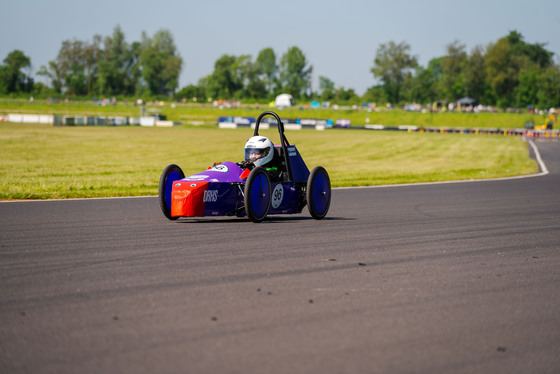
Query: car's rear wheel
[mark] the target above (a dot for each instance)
(258, 192)
(318, 192)
(170, 174)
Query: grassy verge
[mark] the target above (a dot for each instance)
(40, 161)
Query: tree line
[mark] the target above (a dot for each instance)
(507, 73)
(105, 66)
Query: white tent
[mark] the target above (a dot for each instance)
(284, 101)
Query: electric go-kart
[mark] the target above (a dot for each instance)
(283, 186)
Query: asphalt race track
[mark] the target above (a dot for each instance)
(443, 278)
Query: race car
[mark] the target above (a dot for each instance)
(277, 183)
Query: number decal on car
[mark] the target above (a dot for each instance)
(277, 196)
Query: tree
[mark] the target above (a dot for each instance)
(342, 94)
(392, 63)
(474, 75)
(118, 68)
(76, 80)
(452, 69)
(222, 83)
(160, 63)
(13, 79)
(425, 84)
(375, 94)
(92, 55)
(537, 81)
(43, 71)
(245, 78)
(53, 73)
(70, 63)
(74, 70)
(534, 52)
(267, 70)
(548, 83)
(515, 72)
(501, 72)
(326, 88)
(526, 91)
(295, 75)
(192, 92)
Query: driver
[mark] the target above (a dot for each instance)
(259, 150)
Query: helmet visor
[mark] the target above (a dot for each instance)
(254, 154)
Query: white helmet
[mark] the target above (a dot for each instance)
(259, 150)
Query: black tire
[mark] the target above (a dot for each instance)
(318, 192)
(170, 174)
(258, 192)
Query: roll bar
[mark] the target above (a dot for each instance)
(283, 140)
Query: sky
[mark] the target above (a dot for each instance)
(338, 38)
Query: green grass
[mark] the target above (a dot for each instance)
(42, 162)
(207, 114)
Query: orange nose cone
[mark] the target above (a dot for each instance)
(187, 198)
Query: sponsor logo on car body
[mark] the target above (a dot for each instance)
(196, 177)
(221, 168)
(210, 196)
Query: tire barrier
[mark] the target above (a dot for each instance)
(28, 118)
(289, 123)
(298, 124)
(87, 120)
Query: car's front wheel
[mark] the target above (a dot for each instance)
(258, 192)
(170, 174)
